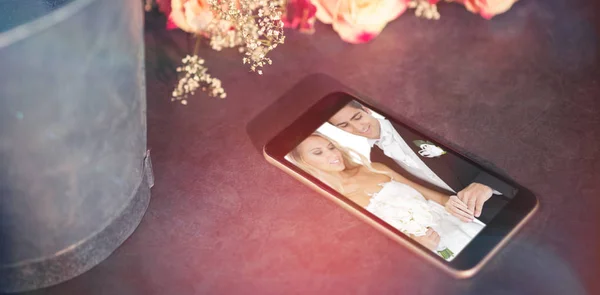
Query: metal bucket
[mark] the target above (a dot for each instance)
(75, 174)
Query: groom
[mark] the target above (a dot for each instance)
(444, 172)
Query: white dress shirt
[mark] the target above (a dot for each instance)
(395, 147)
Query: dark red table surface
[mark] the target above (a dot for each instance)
(522, 91)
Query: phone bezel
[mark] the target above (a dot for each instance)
(496, 232)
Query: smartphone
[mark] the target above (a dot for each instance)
(402, 182)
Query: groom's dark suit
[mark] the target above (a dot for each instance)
(454, 171)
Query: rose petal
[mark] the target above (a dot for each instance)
(354, 35)
(488, 8)
(486, 15)
(358, 23)
(365, 37)
(291, 24)
(171, 25)
(164, 6)
(323, 13)
(300, 14)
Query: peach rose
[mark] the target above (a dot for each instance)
(358, 21)
(488, 8)
(192, 16)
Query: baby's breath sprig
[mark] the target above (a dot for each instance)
(425, 9)
(196, 76)
(253, 25)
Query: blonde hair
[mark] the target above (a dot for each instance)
(349, 163)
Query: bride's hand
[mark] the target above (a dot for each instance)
(459, 209)
(430, 240)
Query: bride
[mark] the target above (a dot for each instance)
(441, 223)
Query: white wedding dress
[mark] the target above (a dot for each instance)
(407, 210)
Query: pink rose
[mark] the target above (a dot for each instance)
(192, 16)
(164, 6)
(358, 21)
(488, 8)
(300, 14)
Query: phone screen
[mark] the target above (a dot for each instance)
(427, 192)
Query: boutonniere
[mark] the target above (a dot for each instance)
(428, 149)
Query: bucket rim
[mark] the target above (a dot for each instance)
(42, 23)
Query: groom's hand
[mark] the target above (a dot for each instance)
(459, 209)
(474, 196)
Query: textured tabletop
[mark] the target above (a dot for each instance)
(521, 91)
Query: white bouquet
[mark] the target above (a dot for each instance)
(412, 216)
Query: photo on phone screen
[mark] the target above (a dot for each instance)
(434, 196)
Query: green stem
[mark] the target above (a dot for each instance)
(197, 45)
(446, 253)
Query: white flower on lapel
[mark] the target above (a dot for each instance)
(430, 151)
